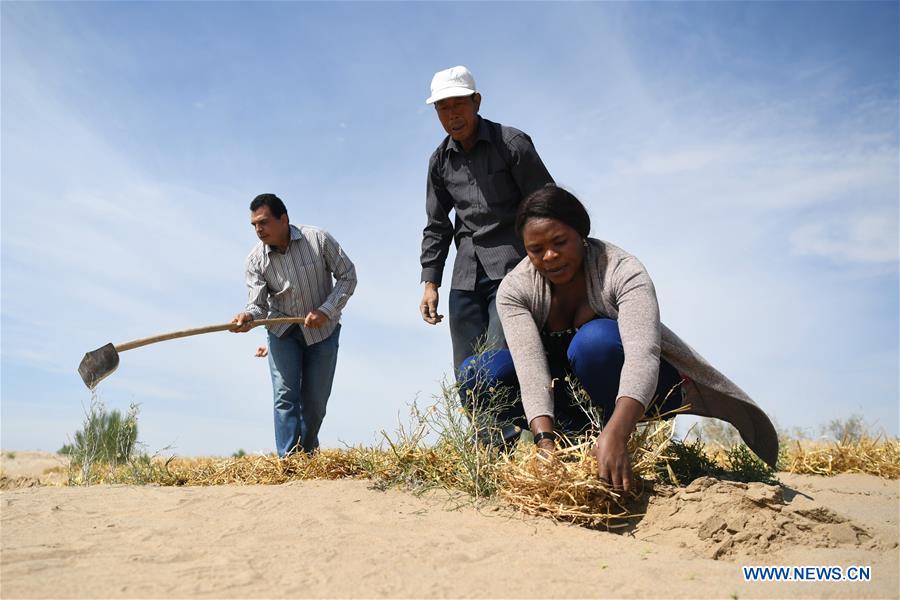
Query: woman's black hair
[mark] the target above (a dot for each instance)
(553, 202)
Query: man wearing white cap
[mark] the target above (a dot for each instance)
(482, 170)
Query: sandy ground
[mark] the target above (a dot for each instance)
(27, 469)
(343, 539)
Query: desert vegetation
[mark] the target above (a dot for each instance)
(441, 447)
(106, 448)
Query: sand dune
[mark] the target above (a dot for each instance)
(343, 539)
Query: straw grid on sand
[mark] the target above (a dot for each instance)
(562, 486)
(868, 455)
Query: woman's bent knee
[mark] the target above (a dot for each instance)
(490, 367)
(597, 345)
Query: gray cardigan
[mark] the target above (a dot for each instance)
(619, 288)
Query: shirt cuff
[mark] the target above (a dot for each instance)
(433, 274)
(255, 312)
(329, 310)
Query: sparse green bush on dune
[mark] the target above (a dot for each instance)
(106, 439)
(105, 436)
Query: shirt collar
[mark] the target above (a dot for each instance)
(295, 235)
(483, 134)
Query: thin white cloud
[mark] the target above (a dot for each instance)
(851, 238)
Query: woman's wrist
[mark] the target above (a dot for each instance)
(625, 418)
(541, 424)
(545, 435)
(543, 432)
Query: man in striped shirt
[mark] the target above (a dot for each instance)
(297, 271)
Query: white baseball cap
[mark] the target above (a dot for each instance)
(450, 83)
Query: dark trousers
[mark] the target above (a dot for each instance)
(474, 324)
(595, 359)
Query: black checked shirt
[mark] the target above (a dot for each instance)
(484, 187)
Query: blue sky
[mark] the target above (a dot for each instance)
(746, 152)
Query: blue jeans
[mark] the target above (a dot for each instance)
(595, 359)
(473, 318)
(301, 383)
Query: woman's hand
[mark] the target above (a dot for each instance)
(546, 447)
(611, 447)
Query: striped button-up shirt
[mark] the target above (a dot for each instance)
(484, 187)
(314, 274)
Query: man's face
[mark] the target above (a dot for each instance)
(271, 231)
(459, 117)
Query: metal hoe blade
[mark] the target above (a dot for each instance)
(97, 365)
(100, 363)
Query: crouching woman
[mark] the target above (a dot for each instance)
(584, 307)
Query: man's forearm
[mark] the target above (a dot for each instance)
(436, 240)
(344, 272)
(257, 292)
(435, 248)
(339, 296)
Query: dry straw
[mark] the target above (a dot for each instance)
(440, 448)
(871, 455)
(265, 469)
(564, 485)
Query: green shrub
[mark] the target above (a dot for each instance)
(743, 465)
(106, 437)
(687, 461)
